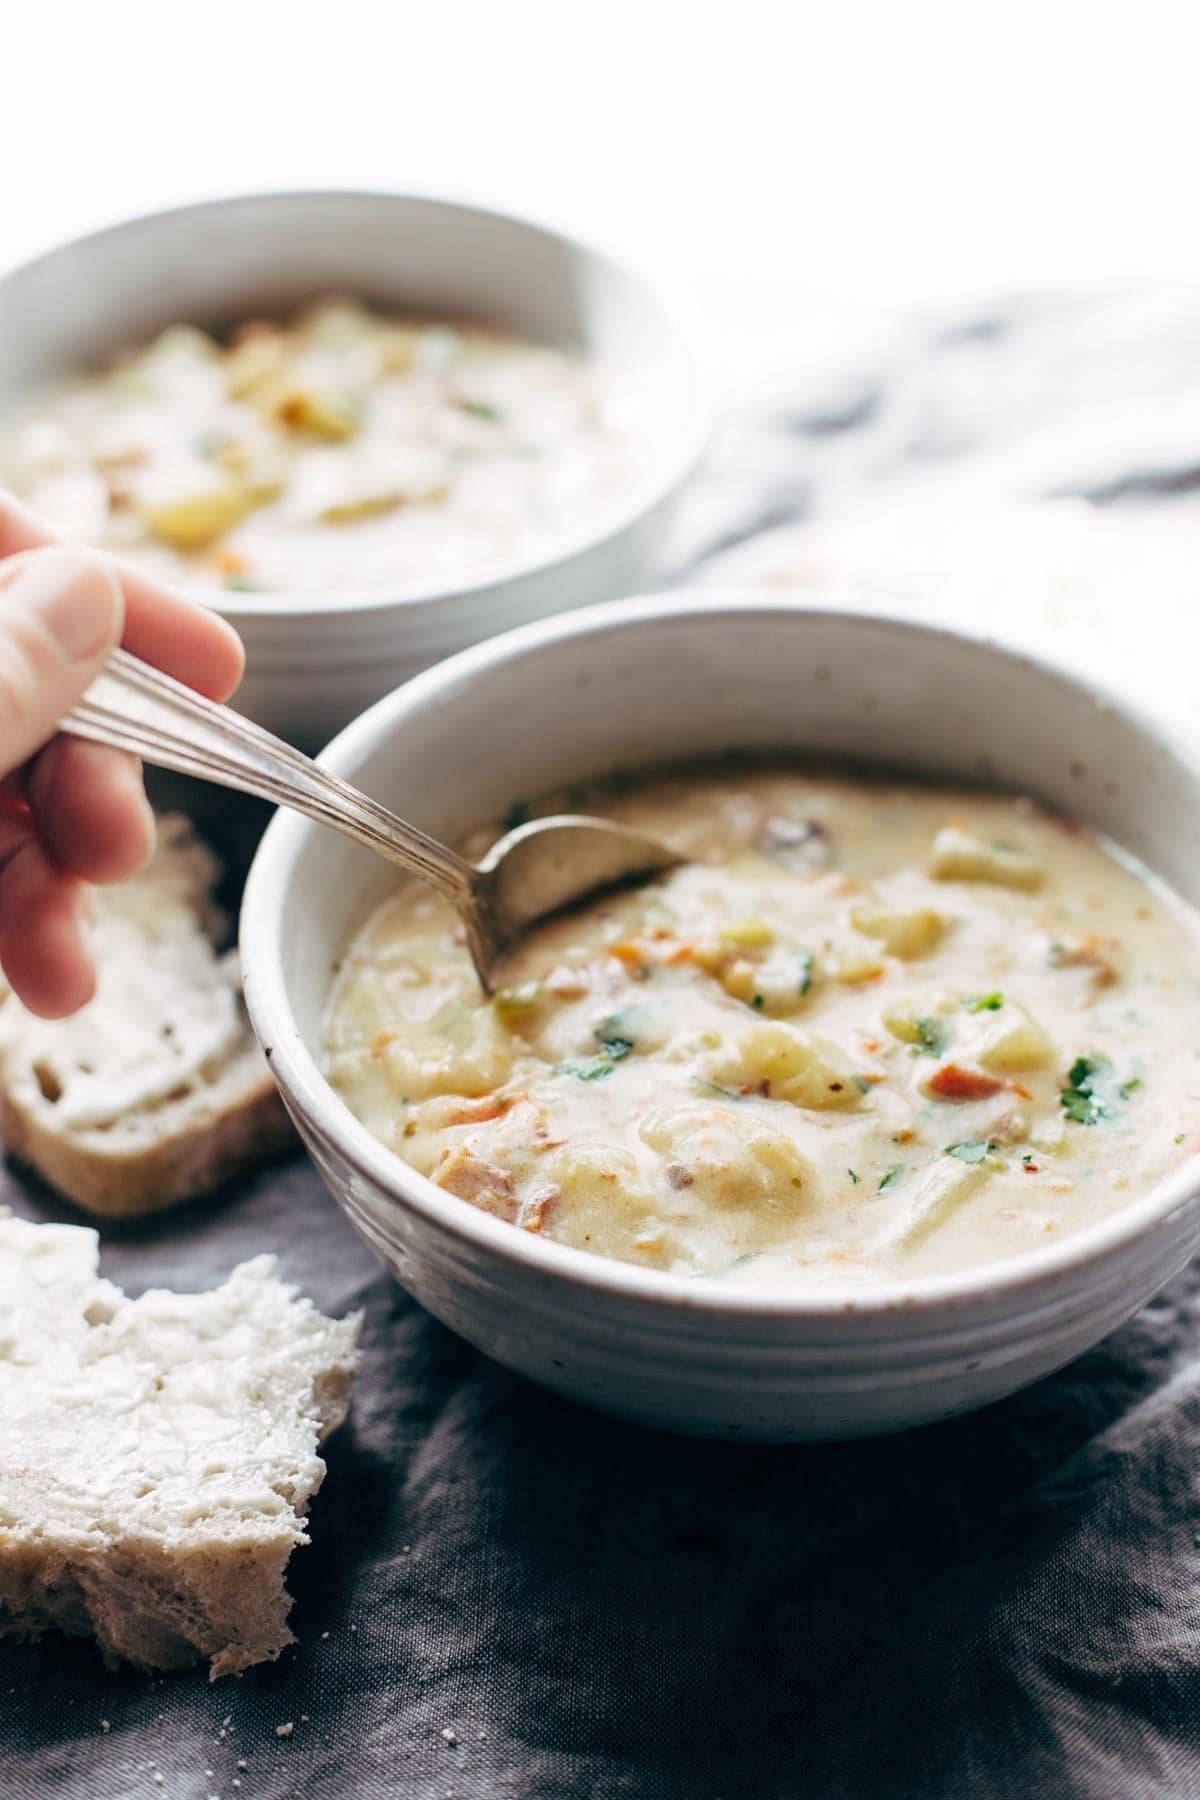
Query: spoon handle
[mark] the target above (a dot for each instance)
(132, 706)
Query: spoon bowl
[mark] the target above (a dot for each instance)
(549, 864)
(532, 871)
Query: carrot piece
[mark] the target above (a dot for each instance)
(956, 1083)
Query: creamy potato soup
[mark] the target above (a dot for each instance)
(349, 448)
(870, 1031)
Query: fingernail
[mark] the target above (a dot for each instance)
(75, 597)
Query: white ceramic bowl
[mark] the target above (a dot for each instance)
(624, 685)
(317, 659)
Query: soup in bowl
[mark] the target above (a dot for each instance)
(879, 1107)
(870, 1029)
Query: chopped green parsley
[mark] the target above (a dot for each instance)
(1093, 1092)
(972, 1151)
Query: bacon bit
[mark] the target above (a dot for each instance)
(1032, 1168)
(1010, 1128)
(1086, 952)
(565, 983)
(477, 1181)
(953, 1082)
(640, 953)
(444, 1111)
(536, 1210)
(476, 1112)
(229, 562)
(649, 1243)
(118, 489)
(678, 1176)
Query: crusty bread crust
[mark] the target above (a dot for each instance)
(124, 1177)
(191, 1102)
(158, 1456)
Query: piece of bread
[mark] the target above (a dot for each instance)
(157, 1456)
(157, 1091)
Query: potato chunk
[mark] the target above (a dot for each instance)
(310, 407)
(604, 1203)
(851, 960)
(903, 933)
(198, 511)
(257, 358)
(923, 1019)
(941, 1191)
(959, 856)
(729, 1178)
(748, 934)
(785, 1063)
(729, 1155)
(456, 1051)
(1010, 1040)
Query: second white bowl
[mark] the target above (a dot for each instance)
(317, 659)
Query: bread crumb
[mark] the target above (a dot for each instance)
(105, 1726)
(354, 1628)
(282, 1731)
(324, 1637)
(304, 1720)
(242, 1763)
(449, 1734)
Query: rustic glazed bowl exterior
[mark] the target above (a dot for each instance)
(640, 681)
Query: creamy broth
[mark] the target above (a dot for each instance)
(349, 448)
(872, 1031)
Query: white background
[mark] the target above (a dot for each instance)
(859, 153)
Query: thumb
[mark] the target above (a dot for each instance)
(61, 613)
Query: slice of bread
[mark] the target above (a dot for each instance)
(157, 1090)
(157, 1456)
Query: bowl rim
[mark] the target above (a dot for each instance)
(686, 451)
(299, 1074)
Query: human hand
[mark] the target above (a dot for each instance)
(72, 812)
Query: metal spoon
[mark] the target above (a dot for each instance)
(537, 869)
